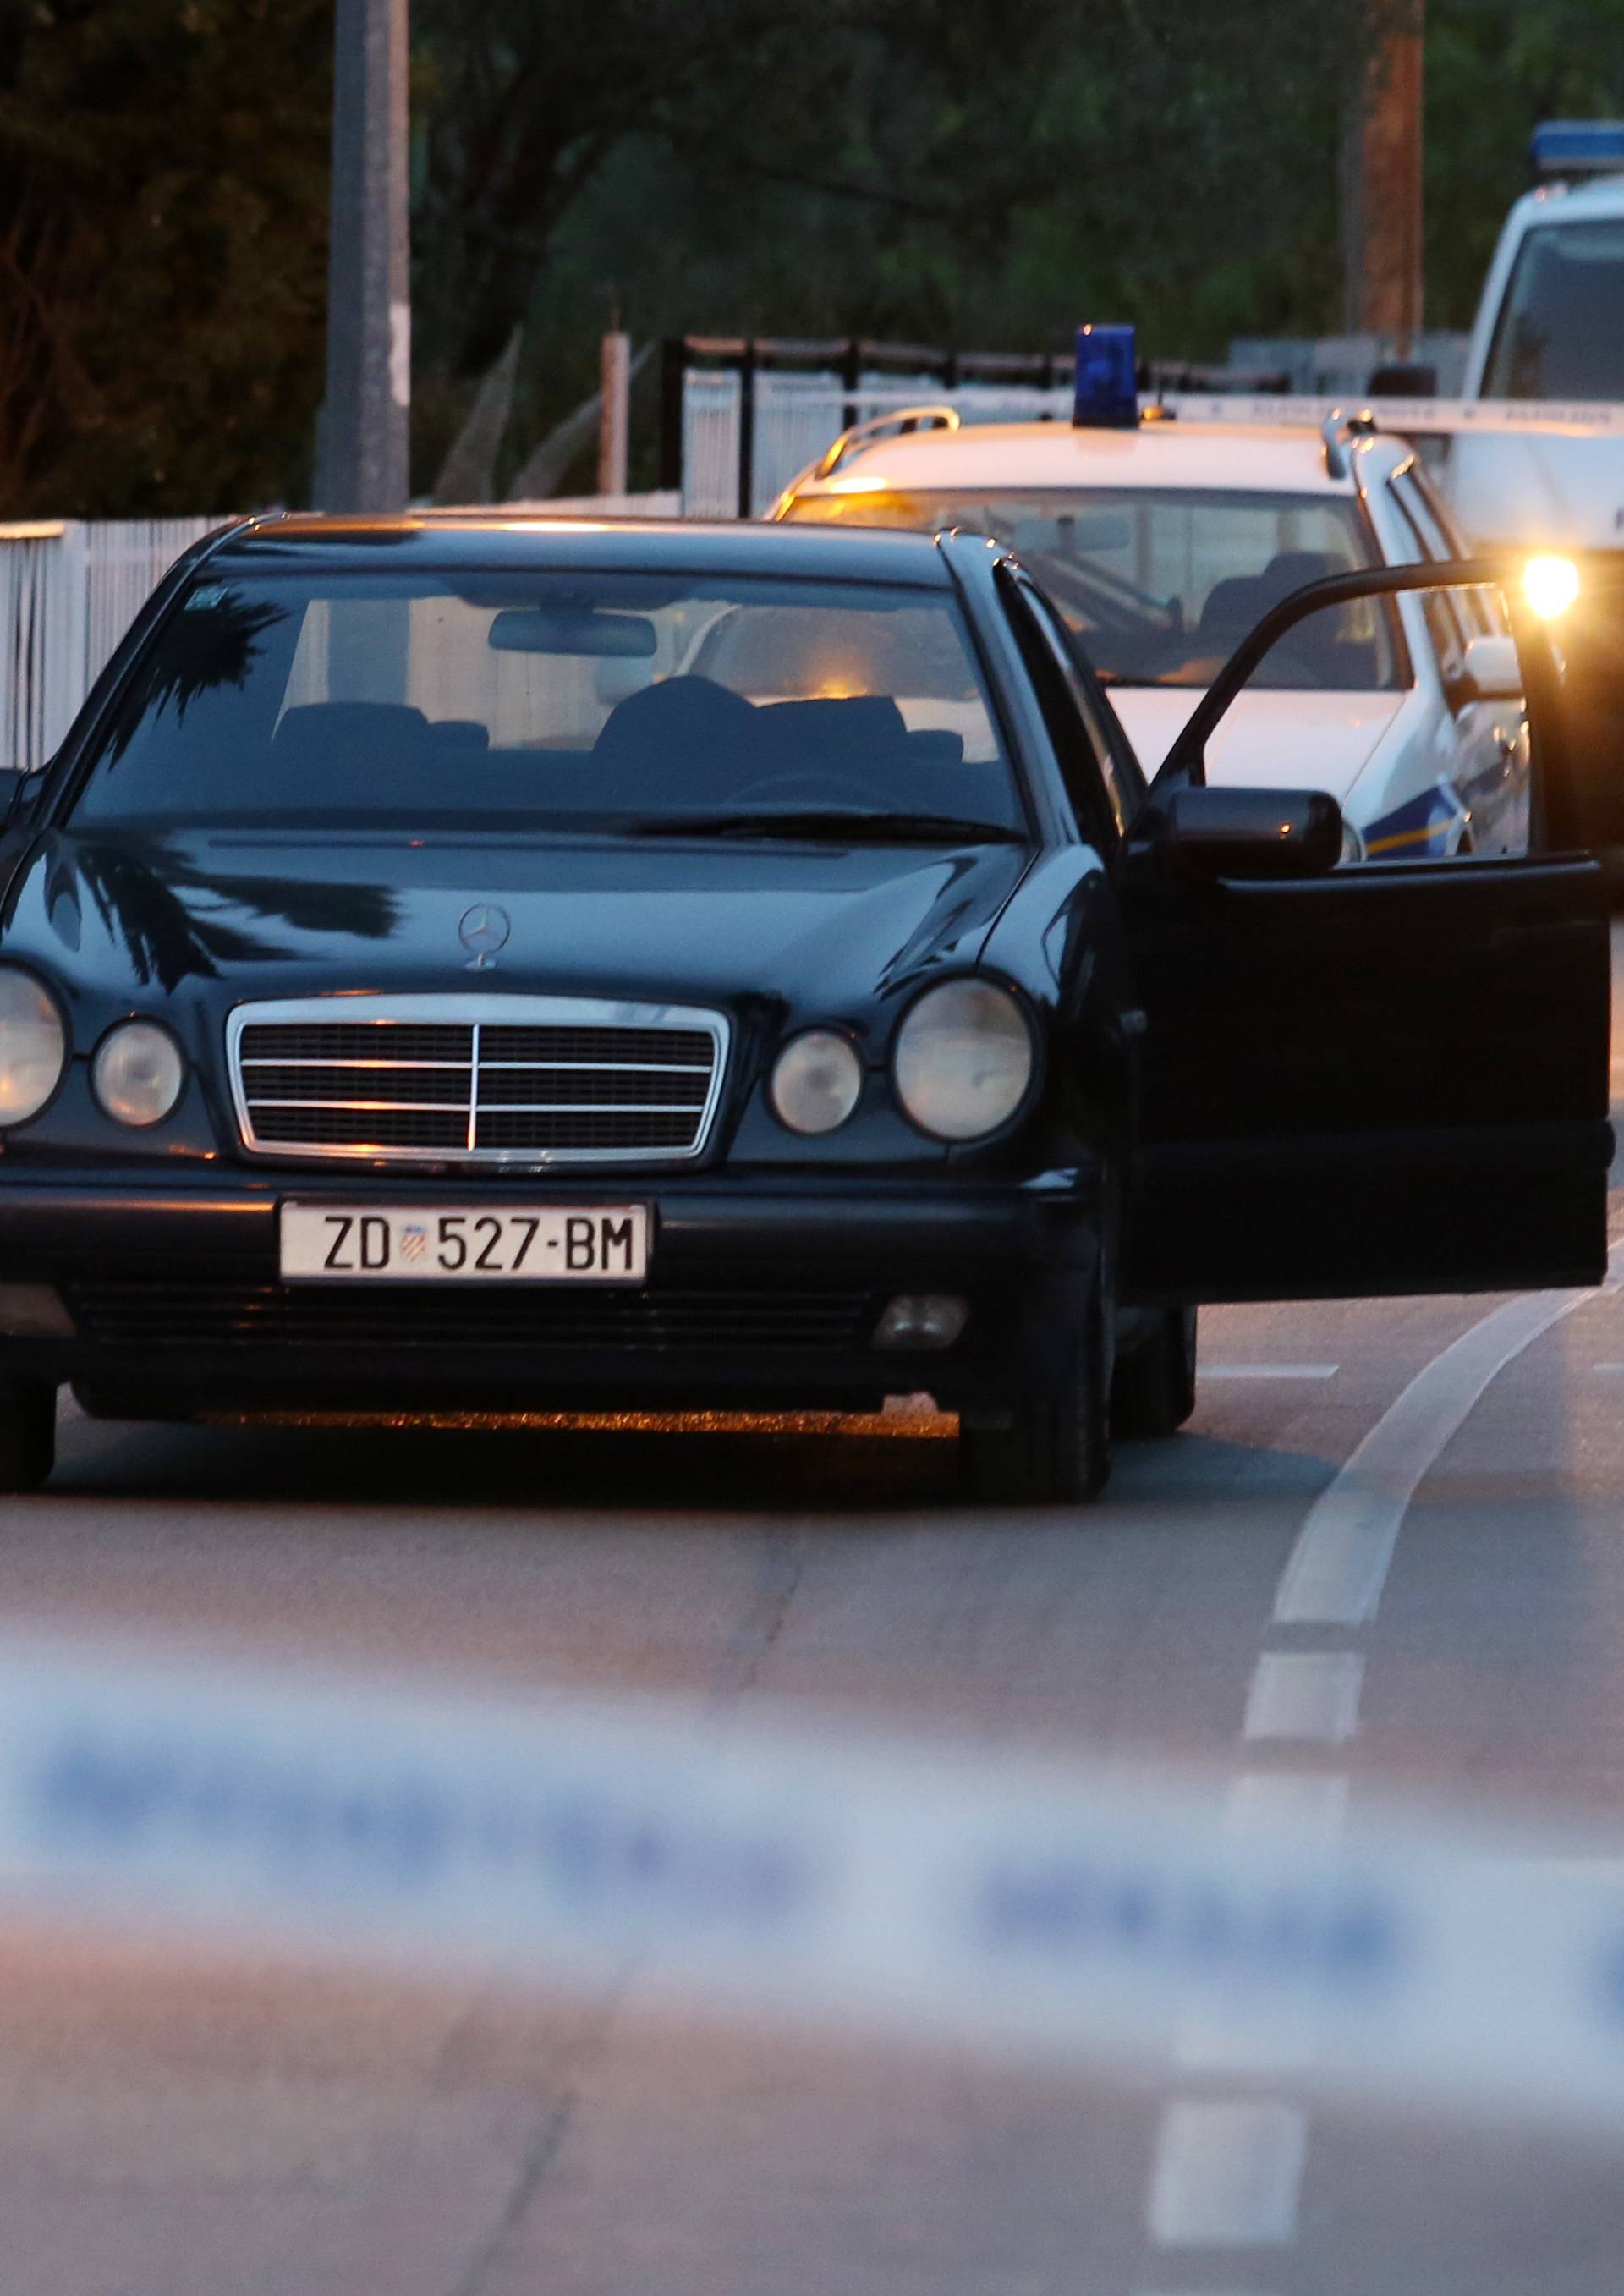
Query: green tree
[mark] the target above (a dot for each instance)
(163, 185)
(1495, 68)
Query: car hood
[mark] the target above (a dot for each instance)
(219, 917)
(1273, 741)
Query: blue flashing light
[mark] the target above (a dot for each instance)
(1107, 379)
(1574, 147)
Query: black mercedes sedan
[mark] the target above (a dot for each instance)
(492, 966)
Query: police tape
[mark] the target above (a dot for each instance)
(1420, 417)
(1056, 1909)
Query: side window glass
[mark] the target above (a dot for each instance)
(1477, 611)
(1094, 778)
(1445, 627)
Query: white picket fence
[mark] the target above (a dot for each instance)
(68, 590)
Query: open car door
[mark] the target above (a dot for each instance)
(1384, 1078)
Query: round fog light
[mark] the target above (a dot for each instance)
(921, 1319)
(817, 1082)
(138, 1074)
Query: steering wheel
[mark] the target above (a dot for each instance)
(812, 790)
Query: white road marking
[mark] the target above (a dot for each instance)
(1340, 1564)
(1267, 1371)
(1311, 1696)
(1228, 2174)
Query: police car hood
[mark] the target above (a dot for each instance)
(215, 917)
(1267, 740)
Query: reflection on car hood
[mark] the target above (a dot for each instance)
(264, 913)
(1274, 741)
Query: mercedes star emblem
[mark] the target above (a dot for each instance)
(484, 930)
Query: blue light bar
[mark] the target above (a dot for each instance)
(1578, 147)
(1107, 379)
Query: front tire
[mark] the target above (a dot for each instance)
(1056, 1449)
(28, 1434)
(1153, 1392)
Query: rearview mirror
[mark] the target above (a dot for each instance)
(573, 630)
(1249, 832)
(1489, 671)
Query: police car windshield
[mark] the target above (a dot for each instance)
(550, 702)
(1161, 583)
(1560, 329)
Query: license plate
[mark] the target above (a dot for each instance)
(522, 1244)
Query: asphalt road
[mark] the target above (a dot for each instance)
(172, 2125)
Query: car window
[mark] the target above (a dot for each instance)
(1481, 611)
(550, 697)
(1160, 584)
(1560, 333)
(1082, 742)
(1448, 621)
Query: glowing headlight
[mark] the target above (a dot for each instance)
(1550, 586)
(138, 1073)
(963, 1060)
(33, 1046)
(817, 1082)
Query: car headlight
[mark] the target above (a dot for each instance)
(33, 1046)
(138, 1073)
(817, 1082)
(963, 1060)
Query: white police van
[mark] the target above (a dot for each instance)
(1163, 541)
(1545, 359)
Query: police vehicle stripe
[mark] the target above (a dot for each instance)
(1421, 825)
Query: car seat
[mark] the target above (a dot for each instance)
(685, 740)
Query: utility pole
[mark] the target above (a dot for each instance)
(364, 457)
(614, 417)
(1381, 189)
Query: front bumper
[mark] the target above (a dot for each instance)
(762, 1293)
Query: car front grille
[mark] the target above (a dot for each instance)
(231, 1320)
(527, 1080)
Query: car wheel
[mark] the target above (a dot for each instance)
(1055, 1451)
(28, 1433)
(1153, 1392)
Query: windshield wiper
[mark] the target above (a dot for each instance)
(835, 827)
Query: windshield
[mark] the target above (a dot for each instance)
(551, 701)
(1560, 329)
(1161, 583)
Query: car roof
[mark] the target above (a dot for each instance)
(1598, 199)
(1272, 457)
(431, 542)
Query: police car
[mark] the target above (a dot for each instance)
(1163, 541)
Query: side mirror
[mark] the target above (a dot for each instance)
(1489, 671)
(1249, 832)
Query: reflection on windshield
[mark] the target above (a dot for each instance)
(1560, 329)
(551, 701)
(1161, 584)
